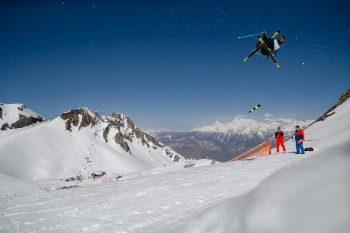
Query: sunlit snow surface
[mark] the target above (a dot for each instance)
(279, 193)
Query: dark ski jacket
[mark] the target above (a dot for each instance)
(298, 135)
(271, 44)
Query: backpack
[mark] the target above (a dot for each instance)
(309, 149)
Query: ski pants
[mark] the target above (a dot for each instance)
(278, 144)
(269, 43)
(299, 148)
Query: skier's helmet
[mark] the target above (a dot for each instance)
(281, 40)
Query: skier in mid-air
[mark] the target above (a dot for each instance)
(272, 44)
(268, 46)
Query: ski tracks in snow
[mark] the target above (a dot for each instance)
(144, 203)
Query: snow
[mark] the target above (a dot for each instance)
(311, 196)
(11, 112)
(278, 193)
(250, 126)
(49, 151)
(153, 201)
(307, 197)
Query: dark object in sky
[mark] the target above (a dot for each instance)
(256, 107)
(263, 45)
(268, 51)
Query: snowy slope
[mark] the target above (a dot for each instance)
(157, 200)
(278, 193)
(312, 196)
(78, 143)
(308, 197)
(13, 116)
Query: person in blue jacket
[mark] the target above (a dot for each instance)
(299, 138)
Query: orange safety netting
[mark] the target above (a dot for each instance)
(260, 150)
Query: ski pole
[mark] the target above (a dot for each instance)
(265, 57)
(240, 37)
(262, 56)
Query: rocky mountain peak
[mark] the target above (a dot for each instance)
(14, 116)
(116, 128)
(79, 117)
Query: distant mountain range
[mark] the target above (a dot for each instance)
(77, 142)
(222, 141)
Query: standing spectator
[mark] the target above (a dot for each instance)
(299, 138)
(279, 136)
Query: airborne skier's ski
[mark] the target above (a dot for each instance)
(261, 45)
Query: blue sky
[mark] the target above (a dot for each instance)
(172, 64)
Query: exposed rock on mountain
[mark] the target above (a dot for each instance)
(78, 142)
(14, 116)
(118, 127)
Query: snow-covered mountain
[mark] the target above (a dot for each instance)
(250, 126)
(222, 141)
(79, 142)
(14, 116)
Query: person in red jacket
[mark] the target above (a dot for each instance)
(299, 138)
(279, 136)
